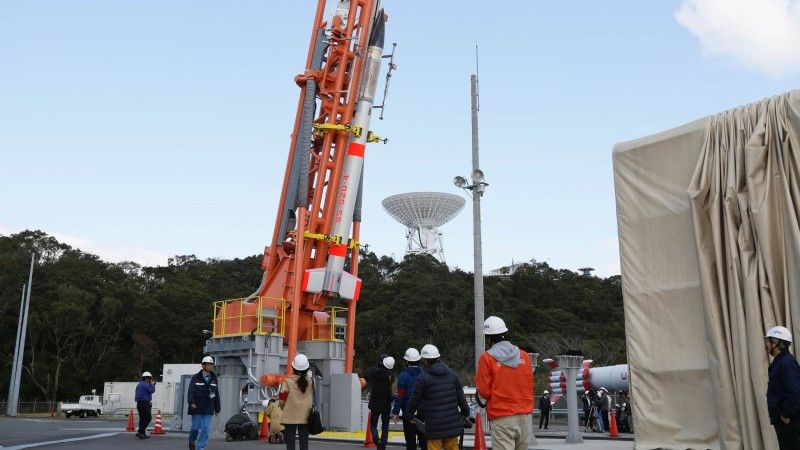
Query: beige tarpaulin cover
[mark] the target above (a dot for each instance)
(709, 247)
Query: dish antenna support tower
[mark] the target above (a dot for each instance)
(423, 213)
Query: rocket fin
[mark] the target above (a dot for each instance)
(314, 280)
(350, 286)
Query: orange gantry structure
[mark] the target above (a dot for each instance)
(302, 235)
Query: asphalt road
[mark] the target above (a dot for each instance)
(104, 434)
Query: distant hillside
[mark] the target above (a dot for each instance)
(93, 321)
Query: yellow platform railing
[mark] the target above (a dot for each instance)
(260, 315)
(335, 329)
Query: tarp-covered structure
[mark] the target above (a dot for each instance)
(709, 234)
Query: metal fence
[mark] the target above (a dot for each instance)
(34, 407)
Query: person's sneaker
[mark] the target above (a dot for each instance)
(140, 435)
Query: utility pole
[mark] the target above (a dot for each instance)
(476, 223)
(15, 366)
(16, 371)
(476, 189)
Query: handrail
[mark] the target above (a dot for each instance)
(232, 318)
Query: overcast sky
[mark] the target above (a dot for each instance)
(138, 130)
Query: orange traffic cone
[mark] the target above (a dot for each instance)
(264, 435)
(480, 439)
(130, 422)
(369, 442)
(612, 429)
(158, 429)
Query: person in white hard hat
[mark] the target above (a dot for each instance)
(380, 381)
(274, 414)
(505, 379)
(586, 404)
(783, 390)
(295, 397)
(544, 409)
(439, 390)
(204, 403)
(603, 406)
(144, 403)
(405, 388)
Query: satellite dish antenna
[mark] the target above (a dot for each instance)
(423, 213)
(460, 182)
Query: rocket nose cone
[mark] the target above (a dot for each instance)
(378, 30)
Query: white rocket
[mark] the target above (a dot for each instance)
(613, 378)
(333, 278)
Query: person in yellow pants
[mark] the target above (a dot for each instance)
(439, 392)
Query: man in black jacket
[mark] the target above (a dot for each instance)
(446, 408)
(783, 390)
(203, 400)
(380, 400)
(544, 409)
(586, 403)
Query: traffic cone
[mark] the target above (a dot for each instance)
(612, 429)
(130, 422)
(264, 435)
(369, 442)
(480, 439)
(158, 429)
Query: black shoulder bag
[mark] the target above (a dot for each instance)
(314, 417)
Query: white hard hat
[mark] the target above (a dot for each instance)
(388, 362)
(411, 355)
(429, 351)
(208, 359)
(265, 403)
(494, 325)
(300, 362)
(546, 391)
(147, 374)
(781, 333)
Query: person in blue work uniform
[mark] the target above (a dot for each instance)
(144, 403)
(783, 390)
(405, 388)
(203, 400)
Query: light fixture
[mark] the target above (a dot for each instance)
(460, 182)
(477, 176)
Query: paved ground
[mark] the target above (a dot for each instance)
(97, 434)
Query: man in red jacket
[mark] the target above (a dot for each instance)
(505, 380)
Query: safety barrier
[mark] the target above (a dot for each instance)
(330, 325)
(260, 315)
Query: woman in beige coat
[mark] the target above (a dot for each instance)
(295, 399)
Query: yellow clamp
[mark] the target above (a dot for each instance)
(372, 137)
(353, 244)
(323, 237)
(354, 130)
(322, 127)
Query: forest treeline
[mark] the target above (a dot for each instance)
(93, 321)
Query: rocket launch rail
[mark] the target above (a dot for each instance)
(316, 233)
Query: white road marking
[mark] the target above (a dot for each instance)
(60, 441)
